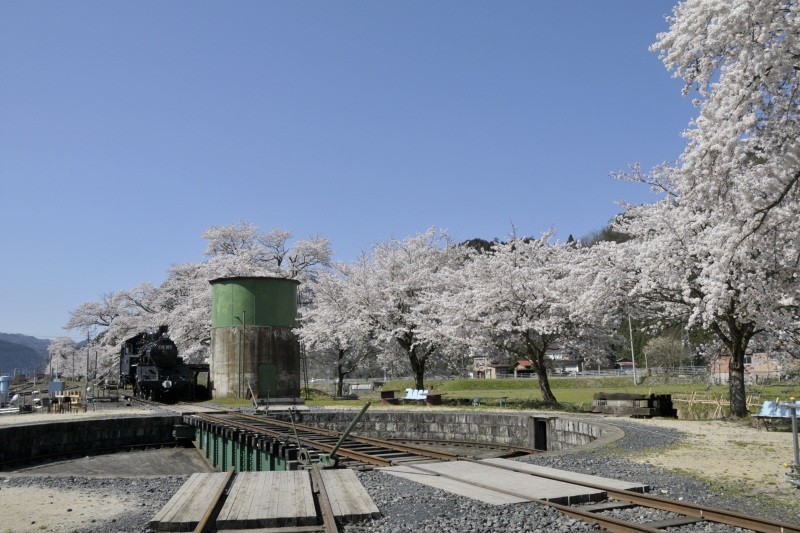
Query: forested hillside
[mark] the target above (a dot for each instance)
(22, 353)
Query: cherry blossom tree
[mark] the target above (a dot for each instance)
(61, 351)
(723, 248)
(522, 297)
(183, 301)
(333, 329)
(270, 253)
(393, 290)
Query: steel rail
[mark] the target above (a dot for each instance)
(466, 443)
(407, 448)
(710, 514)
(213, 504)
(393, 443)
(615, 525)
(350, 454)
(328, 518)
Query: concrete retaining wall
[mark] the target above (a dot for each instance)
(563, 434)
(95, 434)
(512, 429)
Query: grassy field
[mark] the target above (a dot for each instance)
(574, 394)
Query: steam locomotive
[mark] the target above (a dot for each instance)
(150, 364)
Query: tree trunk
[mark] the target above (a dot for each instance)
(418, 367)
(340, 384)
(736, 340)
(738, 401)
(340, 374)
(544, 383)
(536, 348)
(417, 361)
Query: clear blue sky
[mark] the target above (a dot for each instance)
(128, 128)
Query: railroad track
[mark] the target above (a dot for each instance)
(360, 452)
(677, 513)
(356, 451)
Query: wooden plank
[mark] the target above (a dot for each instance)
(607, 506)
(349, 499)
(268, 499)
(187, 506)
(286, 529)
(673, 522)
(574, 476)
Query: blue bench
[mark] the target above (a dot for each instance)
(416, 394)
(774, 410)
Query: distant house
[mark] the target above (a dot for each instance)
(523, 368)
(568, 366)
(560, 353)
(484, 367)
(624, 364)
(757, 366)
(564, 360)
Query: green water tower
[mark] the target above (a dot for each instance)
(253, 348)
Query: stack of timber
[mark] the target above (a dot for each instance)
(634, 405)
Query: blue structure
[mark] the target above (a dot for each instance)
(5, 382)
(774, 409)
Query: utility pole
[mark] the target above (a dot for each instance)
(633, 356)
(86, 388)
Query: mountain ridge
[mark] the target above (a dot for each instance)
(22, 353)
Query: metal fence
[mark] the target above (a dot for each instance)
(612, 372)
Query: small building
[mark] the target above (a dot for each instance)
(624, 364)
(523, 368)
(757, 366)
(485, 367)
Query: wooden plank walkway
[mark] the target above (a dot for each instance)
(269, 499)
(349, 500)
(266, 501)
(186, 508)
(473, 479)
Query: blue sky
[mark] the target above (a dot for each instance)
(127, 129)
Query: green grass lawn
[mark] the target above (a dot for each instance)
(574, 394)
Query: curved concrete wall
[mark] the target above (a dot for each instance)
(93, 435)
(512, 429)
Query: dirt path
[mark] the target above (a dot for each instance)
(36, 509)
(748, 458)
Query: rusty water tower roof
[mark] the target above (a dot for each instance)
(242, 278)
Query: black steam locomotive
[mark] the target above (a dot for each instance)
(150, 364)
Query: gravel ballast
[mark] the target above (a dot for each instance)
(408, 506)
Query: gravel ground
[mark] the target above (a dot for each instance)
(408, 506)
(83, 504)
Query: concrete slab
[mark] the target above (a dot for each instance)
(486, 483)
(574, 476)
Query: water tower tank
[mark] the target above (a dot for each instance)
(253, 347)
(5, 383)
